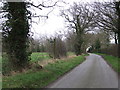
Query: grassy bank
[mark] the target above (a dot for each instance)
(41, 78)
(112, 61)
(36, 56)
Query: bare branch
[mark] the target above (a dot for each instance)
(40, 6)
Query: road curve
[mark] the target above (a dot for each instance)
(92, 73)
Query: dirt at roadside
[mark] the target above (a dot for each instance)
(38, 65)
(47, 61)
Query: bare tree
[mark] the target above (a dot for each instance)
(117, 6)
(56, 47)
(70, 40)
(80, 18)
(107, 18)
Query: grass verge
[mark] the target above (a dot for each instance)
(112, 61)
(42, 77)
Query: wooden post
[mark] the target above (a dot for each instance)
(54, 47)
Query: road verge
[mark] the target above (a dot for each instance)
(43, 77)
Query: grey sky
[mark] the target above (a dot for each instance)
(55, 22)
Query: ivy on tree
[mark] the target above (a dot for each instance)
(16, 33)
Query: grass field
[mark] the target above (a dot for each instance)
(36, 56)
(70, 53)
(39, 56)
(112, 61)
(41, 78)
(6, 66)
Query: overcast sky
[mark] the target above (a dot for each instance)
(55, 22)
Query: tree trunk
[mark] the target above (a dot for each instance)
(119, 44)
(116, 40)
(54, 49)
(117, 6)
(17, 40)
(79, 38)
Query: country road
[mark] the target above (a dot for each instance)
(94, 72)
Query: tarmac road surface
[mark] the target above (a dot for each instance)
(94, 72)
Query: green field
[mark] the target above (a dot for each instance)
(36, 56)
(112, 61)
(70, 53)
(41, 78)
(6, 66)
(39, 56)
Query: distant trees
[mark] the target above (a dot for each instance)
(94, 40)
(0, 43)
(80, 18)
(37, 45)
(69, 41)
(107, 18)
(56, 48)
(97, 45)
